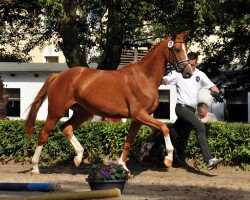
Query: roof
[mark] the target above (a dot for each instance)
(34, 67)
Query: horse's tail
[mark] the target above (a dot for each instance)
(31, 119)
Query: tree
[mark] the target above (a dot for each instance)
(228, 21)
(110, 25)
(42, 20)
(3, 101)
(18, 20)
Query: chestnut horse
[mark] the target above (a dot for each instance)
(129, 92)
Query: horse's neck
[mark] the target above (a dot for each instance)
(153, 64)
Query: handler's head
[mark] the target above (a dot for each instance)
(193, 57)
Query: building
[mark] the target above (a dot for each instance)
(22, 81)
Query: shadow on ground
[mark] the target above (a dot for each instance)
(135, 167)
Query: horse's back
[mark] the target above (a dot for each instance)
(89, 84)
(100, 91)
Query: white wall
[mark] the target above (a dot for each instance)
(173, 99)
(38, 55)
(30, 85)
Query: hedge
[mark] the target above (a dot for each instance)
(228, 140)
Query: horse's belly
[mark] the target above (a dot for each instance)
(104, 105)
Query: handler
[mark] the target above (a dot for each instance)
(187, 99)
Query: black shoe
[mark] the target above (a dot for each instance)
(214, 162)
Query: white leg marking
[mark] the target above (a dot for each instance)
(35, 159)
(79, 150)
(123, 164)
(169, 148)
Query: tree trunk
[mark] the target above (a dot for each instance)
(3, 101)
(75, 54)
(113, 46)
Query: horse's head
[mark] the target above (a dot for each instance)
(178, 54)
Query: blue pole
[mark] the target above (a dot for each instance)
(42, 187)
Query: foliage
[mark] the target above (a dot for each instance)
(11, 58)
(20, 21)
(228, 140)
(98, 171)
(227, 56)
(79, 25)
(106, 139)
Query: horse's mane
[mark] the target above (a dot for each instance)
(154, 47)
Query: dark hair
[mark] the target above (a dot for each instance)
(192, 56)
(202, 104)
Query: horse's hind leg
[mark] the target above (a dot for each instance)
(133, 129)
(42, 138)
(79, 116)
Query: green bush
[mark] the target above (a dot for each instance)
(228, 140)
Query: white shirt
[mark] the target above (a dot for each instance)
(210, 117)
(188, 89)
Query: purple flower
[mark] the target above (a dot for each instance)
(102, 172)
(113, 171)
(105, 172)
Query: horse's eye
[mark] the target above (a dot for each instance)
(177, 50)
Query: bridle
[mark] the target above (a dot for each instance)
(176, 64)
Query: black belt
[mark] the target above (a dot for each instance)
(187, 106)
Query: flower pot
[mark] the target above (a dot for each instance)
(109, 184)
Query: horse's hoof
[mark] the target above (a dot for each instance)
(168, 163)
(77, 161)
(130, 175)
(35, 172)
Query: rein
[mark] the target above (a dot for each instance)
(177, 64)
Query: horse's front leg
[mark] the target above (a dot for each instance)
(133, 129)
(168, 160)
(145, 118)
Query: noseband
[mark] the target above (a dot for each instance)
(177, 64)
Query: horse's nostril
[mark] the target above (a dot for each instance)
(187, 75)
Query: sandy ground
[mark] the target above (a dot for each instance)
(148, 183)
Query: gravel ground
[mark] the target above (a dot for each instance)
(148, 183)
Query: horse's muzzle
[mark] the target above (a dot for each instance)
(186, 75)
(187, 71)
(184, 68)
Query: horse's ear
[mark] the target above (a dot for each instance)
(186, 34)
(174, 35)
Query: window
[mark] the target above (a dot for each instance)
(237, 113)
(51, 59)
(13, 106)
(163, 110)
(236, 107)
